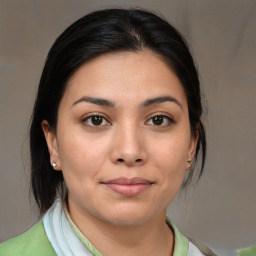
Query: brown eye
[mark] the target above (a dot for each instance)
(157, 120)
(160, 120)
(95, 120)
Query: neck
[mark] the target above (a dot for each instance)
(153, 237)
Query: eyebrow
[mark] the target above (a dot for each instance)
(96, 101)
(159, 100)
(108, 103)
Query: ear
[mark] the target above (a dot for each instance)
(192, 149)
(52, 144)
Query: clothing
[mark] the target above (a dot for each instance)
(57, 234)
(250, 251)
(33, 242)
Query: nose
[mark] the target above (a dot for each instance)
(128, 146)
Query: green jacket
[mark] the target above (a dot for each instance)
(250, 251)
(34, 240)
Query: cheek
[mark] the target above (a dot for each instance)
(170, 158)
(172, 151)
(81, 158)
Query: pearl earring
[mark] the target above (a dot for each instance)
(54, 164)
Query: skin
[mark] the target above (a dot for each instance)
(126, 142)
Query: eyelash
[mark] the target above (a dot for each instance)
(165, 119)
(91, 115)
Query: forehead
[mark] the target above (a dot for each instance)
(131, 76)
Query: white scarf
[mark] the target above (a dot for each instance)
(60, 234)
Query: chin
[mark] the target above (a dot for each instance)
(129, 217)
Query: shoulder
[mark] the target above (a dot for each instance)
(187, 246)
(203, 248)
(247, 251)
(32, 242)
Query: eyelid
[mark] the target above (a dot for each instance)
(164, 114)
(89, 115)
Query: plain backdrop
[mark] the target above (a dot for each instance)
(221, 208)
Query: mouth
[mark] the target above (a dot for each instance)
(128, 186)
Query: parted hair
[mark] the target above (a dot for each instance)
(98, 33)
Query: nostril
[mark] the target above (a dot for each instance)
(121, 160)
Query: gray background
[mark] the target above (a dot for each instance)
(221, 209)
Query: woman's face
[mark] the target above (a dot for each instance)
(123, 138)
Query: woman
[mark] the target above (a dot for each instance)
(116, 126)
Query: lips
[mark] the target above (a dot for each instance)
(128, 187)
